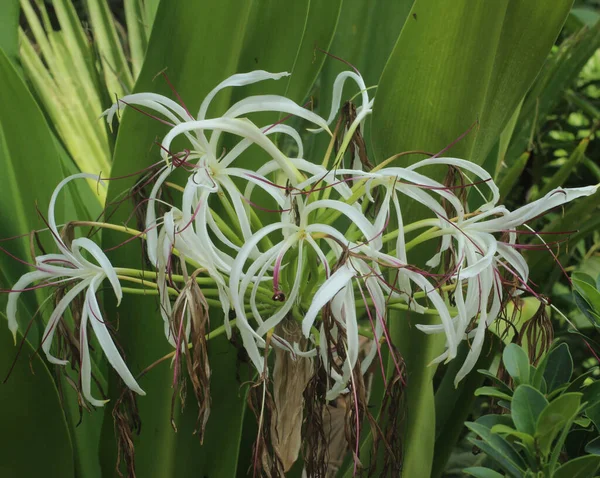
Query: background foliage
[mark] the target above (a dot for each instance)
(518, 81)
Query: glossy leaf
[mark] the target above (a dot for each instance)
(30, 166)
(499, 449)
(554, 417)
(480, 472)
(526, 406)
(516, 363)
(581, 467)
(523, 437)
(492, 392)
(31, 416)
(559, 367)
(255, 39)
(9, 22)
(194, 69)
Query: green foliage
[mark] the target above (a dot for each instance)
(442, 69)
(542, 416)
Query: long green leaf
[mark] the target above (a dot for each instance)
(38, 441)
(9, 22)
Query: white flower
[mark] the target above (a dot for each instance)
(71, 267)
(480, 258)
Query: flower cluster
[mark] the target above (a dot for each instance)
(318, 241)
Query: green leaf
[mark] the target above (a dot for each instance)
(593, 447)
(526, 438)
(559, 367)
(499, 449)
(194, 69)
(117, 74)
(554, 417)
(593, 413)
(30, 168)
(501, 385)
(138, 32)
(591, 394)
(582, 467)
(587, 290)
(31, 415)
(492, 392)
(560, 71)
(454, 404)
(526, 406)
(197, 63)
(530, 28)
(516, 363)
(493, 419)
(480, 472)
(9, 23)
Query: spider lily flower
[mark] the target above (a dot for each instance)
(297, 231)
(480, 259)
(210, 171)
(70, 266)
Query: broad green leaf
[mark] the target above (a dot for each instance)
(487, 79)
(526, 406)
(493, 419)
(194, 68)
(499, 383)
(591, 394)
(554, 417)
(557, 74)
(492, 392)
(516, 363)
(195, 64)
(30, 167)
(587, 289)
(499, 449)
(480, 472)
(593, 413)
(586, 309)
(454, 404)
(581, 467)
(593, 447)
(525, 438)
(9, 23)
(559, 367)
(530, 28)
(38, 441)
(434, 84)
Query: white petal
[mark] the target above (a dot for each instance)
(325, 293)
(11, 307)
(105, 340)
(86, 363)
(56, 315)
(103, 262)
(52, 206)
(338, 87)
(240, 79)
(239, 127)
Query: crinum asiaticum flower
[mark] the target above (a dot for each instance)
(191, 228)
(71, 267)
(480, 258)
